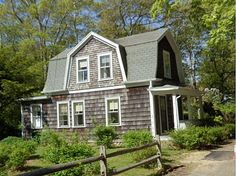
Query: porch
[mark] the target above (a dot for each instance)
(171, 107)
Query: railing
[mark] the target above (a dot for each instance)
(103, 161)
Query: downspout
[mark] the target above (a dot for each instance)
(22, 120)
(152, 112)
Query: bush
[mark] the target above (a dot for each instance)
(138, 138)
(51, 138)
(59, 149)
(15, 151)
(105, 135)
(201, 137)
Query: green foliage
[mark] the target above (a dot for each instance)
(139, 138)
(105, 135)
(15, 151)
(57, 148)
(201, 137)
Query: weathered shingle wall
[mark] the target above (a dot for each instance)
(92, 49)
(135, 108)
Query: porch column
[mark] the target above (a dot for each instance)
(189, 107)
(200, 107)
(152, 111)
(175, 111)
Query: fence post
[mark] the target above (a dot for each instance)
(103, 162)
(158, 146)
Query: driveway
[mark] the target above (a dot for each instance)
(217, 162)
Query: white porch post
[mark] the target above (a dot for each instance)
(152, 111)
(189, 107)
(200, 107)
(175, 111)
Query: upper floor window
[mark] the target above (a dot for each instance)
(78, 114)
(167, 65)
(113, 114)
(82, 69)
(105, 66)
(63, 114)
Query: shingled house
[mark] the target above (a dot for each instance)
(132, 83)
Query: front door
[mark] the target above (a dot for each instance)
(36, 118)
(163, 114)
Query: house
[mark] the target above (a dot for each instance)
(132, 83)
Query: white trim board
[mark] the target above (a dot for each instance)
(68, 106)
(73, 118)
(97, 89)
(106, 110)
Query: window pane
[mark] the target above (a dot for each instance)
(113, 105)
(83, 75)
(82, 64)
(105, 61)
(113, 118)
(78, 120)
(105, 73)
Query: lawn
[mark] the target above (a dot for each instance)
(170, 157)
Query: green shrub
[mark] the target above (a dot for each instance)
(51, 138)
(201, 137)
(57, 148)
(230, 128)
(15, 151)
(138, 138)
(105, 135)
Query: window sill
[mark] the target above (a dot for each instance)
(107, 79)
(83, 82)
(63, 127)
(78, 126)
(117, 125)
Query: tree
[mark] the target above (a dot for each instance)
(119, 18)
(205, 33)
(31, 32)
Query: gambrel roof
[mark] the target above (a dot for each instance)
(137, 56)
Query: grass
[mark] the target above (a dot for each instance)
(170, 157)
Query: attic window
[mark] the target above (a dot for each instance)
(82, 69)
(105, 66)
(166, 64)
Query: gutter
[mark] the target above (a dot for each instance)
(144, 82)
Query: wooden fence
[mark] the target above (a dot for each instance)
(103, 161)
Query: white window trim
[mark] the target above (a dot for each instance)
(72, 103)
(111, 68)
(68, 106)
(106, 100)
(77, 69)
(165, 74)
(31, 115)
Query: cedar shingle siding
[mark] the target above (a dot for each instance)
(92, 49)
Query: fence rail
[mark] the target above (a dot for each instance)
(103, 161)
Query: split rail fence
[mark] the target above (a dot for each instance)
(103, 161)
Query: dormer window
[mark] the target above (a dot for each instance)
(82, 69)
(105, 66)
(166, 64)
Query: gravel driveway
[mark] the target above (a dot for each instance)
(217, 162)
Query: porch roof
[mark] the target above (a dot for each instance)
(35, 98)
(177, 90)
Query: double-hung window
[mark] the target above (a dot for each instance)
(63, 115)
(105, 66)
(78, 114)
(167, 64)
(113, 114)
(82, 69)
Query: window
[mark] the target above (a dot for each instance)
(113, 115)
(63, 116)
(82, 69)
(78, 119)
(36, 116)
(167, 65)
(105, 66)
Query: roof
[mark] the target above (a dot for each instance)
(141, 38)
(137, 56)
(56, 72)
(141, 54)
(35, 98)
(178, 90)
